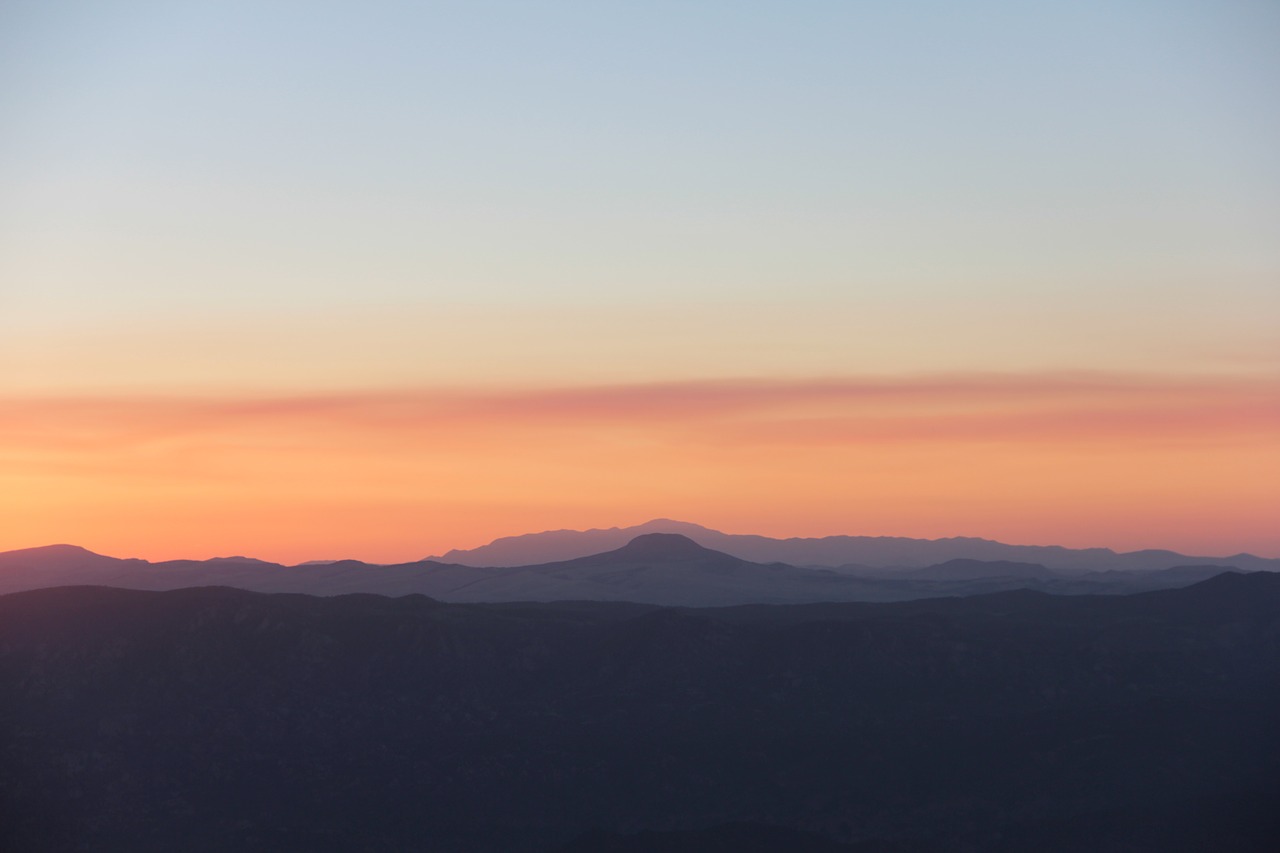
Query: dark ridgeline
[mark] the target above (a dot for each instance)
(219, 719)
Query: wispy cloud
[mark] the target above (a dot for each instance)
(1085, 458)
(1051, 406)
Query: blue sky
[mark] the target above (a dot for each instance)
(174, 159)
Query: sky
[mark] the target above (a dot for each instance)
(376, 280)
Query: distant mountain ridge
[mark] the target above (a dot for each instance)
(834, 551)
(965, 569)
(652, 568)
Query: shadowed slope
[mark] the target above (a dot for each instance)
(208, 719)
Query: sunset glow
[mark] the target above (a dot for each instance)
(1126, 461)
(381, 283)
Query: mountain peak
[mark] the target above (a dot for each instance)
(61, 548)
(668, 525)
(663, 546)
(53, 552)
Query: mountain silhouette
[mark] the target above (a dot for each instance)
(662, 547)
(835, 551)
(557, 545)
(54, 556)
(654, 568)
(962, 569)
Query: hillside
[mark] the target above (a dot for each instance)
(212, 719)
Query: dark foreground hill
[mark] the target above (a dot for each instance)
(217, 719)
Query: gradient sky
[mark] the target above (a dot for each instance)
(307, 280)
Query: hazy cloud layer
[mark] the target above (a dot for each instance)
(1086, 459)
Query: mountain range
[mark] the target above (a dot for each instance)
(835, 551)
(666, 568)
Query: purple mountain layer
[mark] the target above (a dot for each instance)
(653, 568)
(834, 551)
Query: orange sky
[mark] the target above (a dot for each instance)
(1080, 459)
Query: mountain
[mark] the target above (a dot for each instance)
(215, 719)
(961, 569)
(557, 545)
(835, 551)
(59, 560)
(660, 568)
(653, 568)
